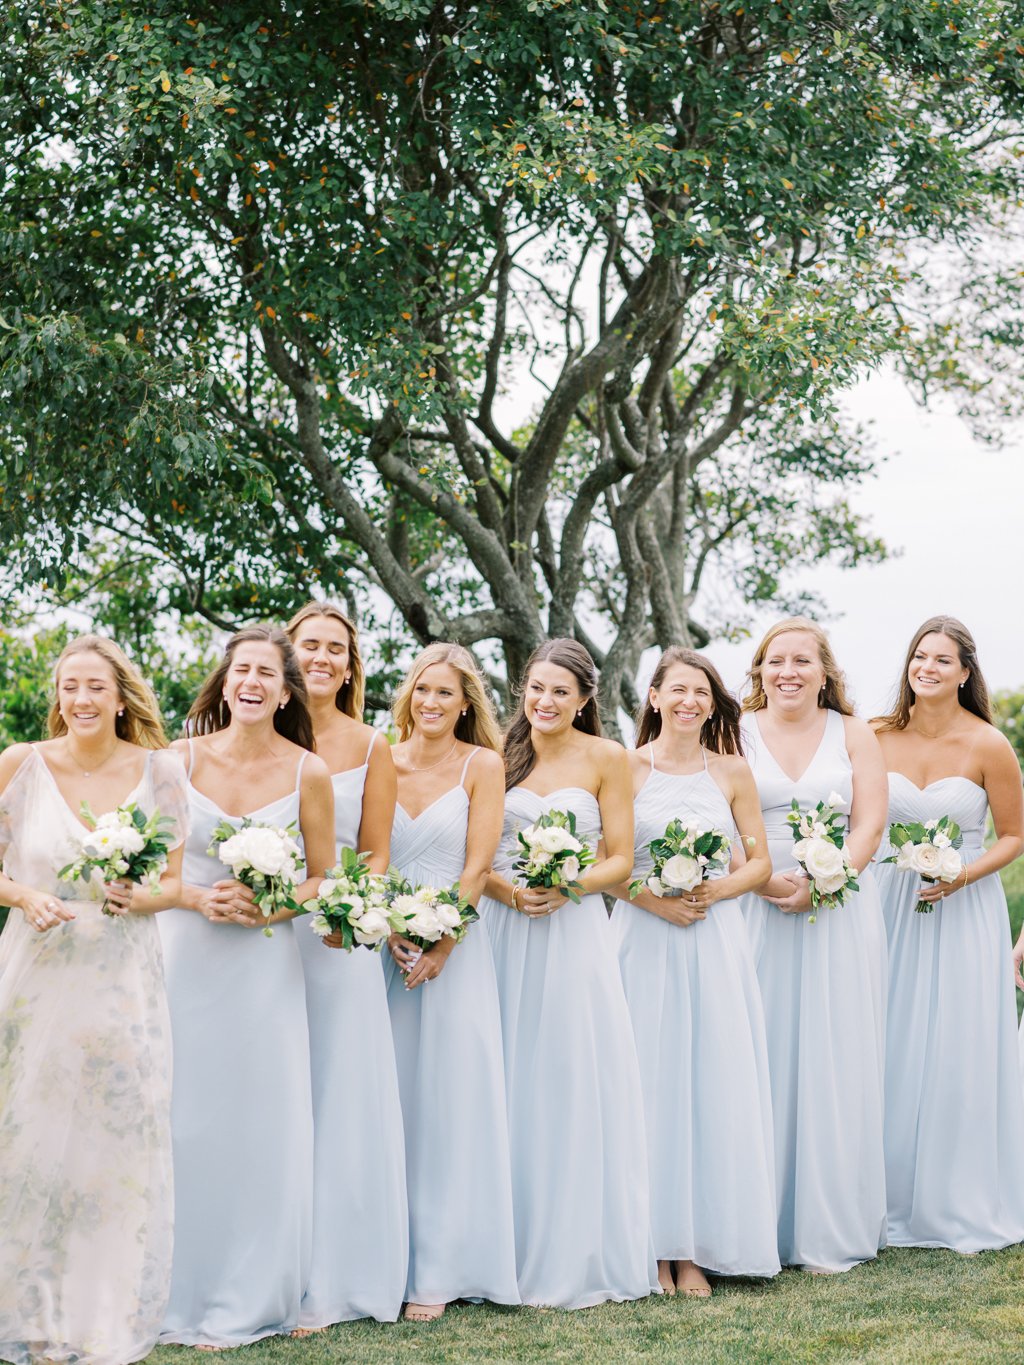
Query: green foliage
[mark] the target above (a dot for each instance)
(1009, 716)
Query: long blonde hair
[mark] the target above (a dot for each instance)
(350, 696)
(480, 724)
(141, 722)
(833, 695)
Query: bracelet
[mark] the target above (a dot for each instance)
(515, 893)
(964, 887)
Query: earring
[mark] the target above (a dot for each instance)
(466, 712)
(281, 705)
(121, 712)
(963, 682)
(580, 711)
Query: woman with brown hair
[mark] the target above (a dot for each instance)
(241, 1111)
(822, 982)
(692, 990)
(85, 1065)
(579, 1168)
(954, 1112)
(360, 1224)
(444, 1000)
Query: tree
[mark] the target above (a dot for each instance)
(274, 277)
(1009, 716)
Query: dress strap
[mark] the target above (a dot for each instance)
(653, 768)
(704, 755)
(369, 747)
(191, 757)
(298, 770)
(469, 760)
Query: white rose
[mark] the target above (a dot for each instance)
(356, 907)
(951, 865)
(905, 858)
(552, 839)
(654, 885)
(539, 858)
(828, 886)
(326, 887)
(570, 869)
(681, 873)
(373, 928)
(941, 840)
(927, 861)
(405, 905)
(424, 924)
(836, 801)
(823, 860)
(447, 915)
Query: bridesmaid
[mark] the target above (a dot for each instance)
(954, 1111)
(360, 1214)
(692, 991)
(241, 1111)
(86, 1200)
(823, 984)
(579, 1169)
(444, 1002)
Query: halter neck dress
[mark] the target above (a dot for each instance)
(448, 1047)
(823, 987)
(954, 1107)
(241, 1110)
(86, 1199)
(579, 1164)
(699, 1026)
(360, 1212)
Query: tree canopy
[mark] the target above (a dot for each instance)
(273, 277)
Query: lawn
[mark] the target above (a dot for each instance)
(908, 1306)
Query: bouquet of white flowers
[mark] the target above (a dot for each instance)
(929, 850)
(684, 856)
(353, 901)
(123, 845)
(424, 915)
(552, 855)
(820, 849)
(264, 858)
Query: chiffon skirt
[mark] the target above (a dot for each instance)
(699, 1026)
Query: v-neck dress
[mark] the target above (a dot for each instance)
(823, 987)
(579, 1152)
(448, 1047)
(241, 1111)
(86, 1202)
(954, 1107)
(360, 1212)
(699, 1026)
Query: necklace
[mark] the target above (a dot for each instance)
(437, 764)
(96, 766)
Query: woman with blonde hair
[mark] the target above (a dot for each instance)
(242, 1110)
(85, 1084)
(360, 1225)
(954, 1110)
(444, 1000)
(822, 980)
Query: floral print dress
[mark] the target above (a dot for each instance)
(85, 1171)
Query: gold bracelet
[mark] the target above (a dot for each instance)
(964, 887)
(515, 893)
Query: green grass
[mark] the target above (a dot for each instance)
(908, 1306)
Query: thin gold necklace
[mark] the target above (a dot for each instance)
(427, 769)
(97, 766)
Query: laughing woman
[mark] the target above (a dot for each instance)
(954, 1111)
(444, 1001)
(241, 1112)
(579, 1168)
(693, 994)
(85, 1083)
(360, 1222)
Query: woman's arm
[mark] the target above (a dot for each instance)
(755, 873)
(131, 898)
(869, 810)
(379, 797)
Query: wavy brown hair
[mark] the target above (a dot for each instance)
(209, 712)
(480, 724)
(350, 696)
(141, 722)
(973, 695)
(721, 731)
(833, 695)
(520, 755)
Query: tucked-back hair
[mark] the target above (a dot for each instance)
(721, 731)
(833, 696)
(210, 712)
(350, 696)
(973, 695)
(141, 723)
(480, 724)
(520, 755)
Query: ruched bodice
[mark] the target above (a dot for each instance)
(695, 798)
(829, 771)
(958, 797)
(431, 849)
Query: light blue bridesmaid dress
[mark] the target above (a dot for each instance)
(954, 1108)
(699, 1026)
(579, 1152)
(241, 1112)
(448, 1048)
(360, 1212)
(823, 987)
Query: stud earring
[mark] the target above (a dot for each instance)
(963, 683)
(121, 712)
(281, 705)
(466, 712)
